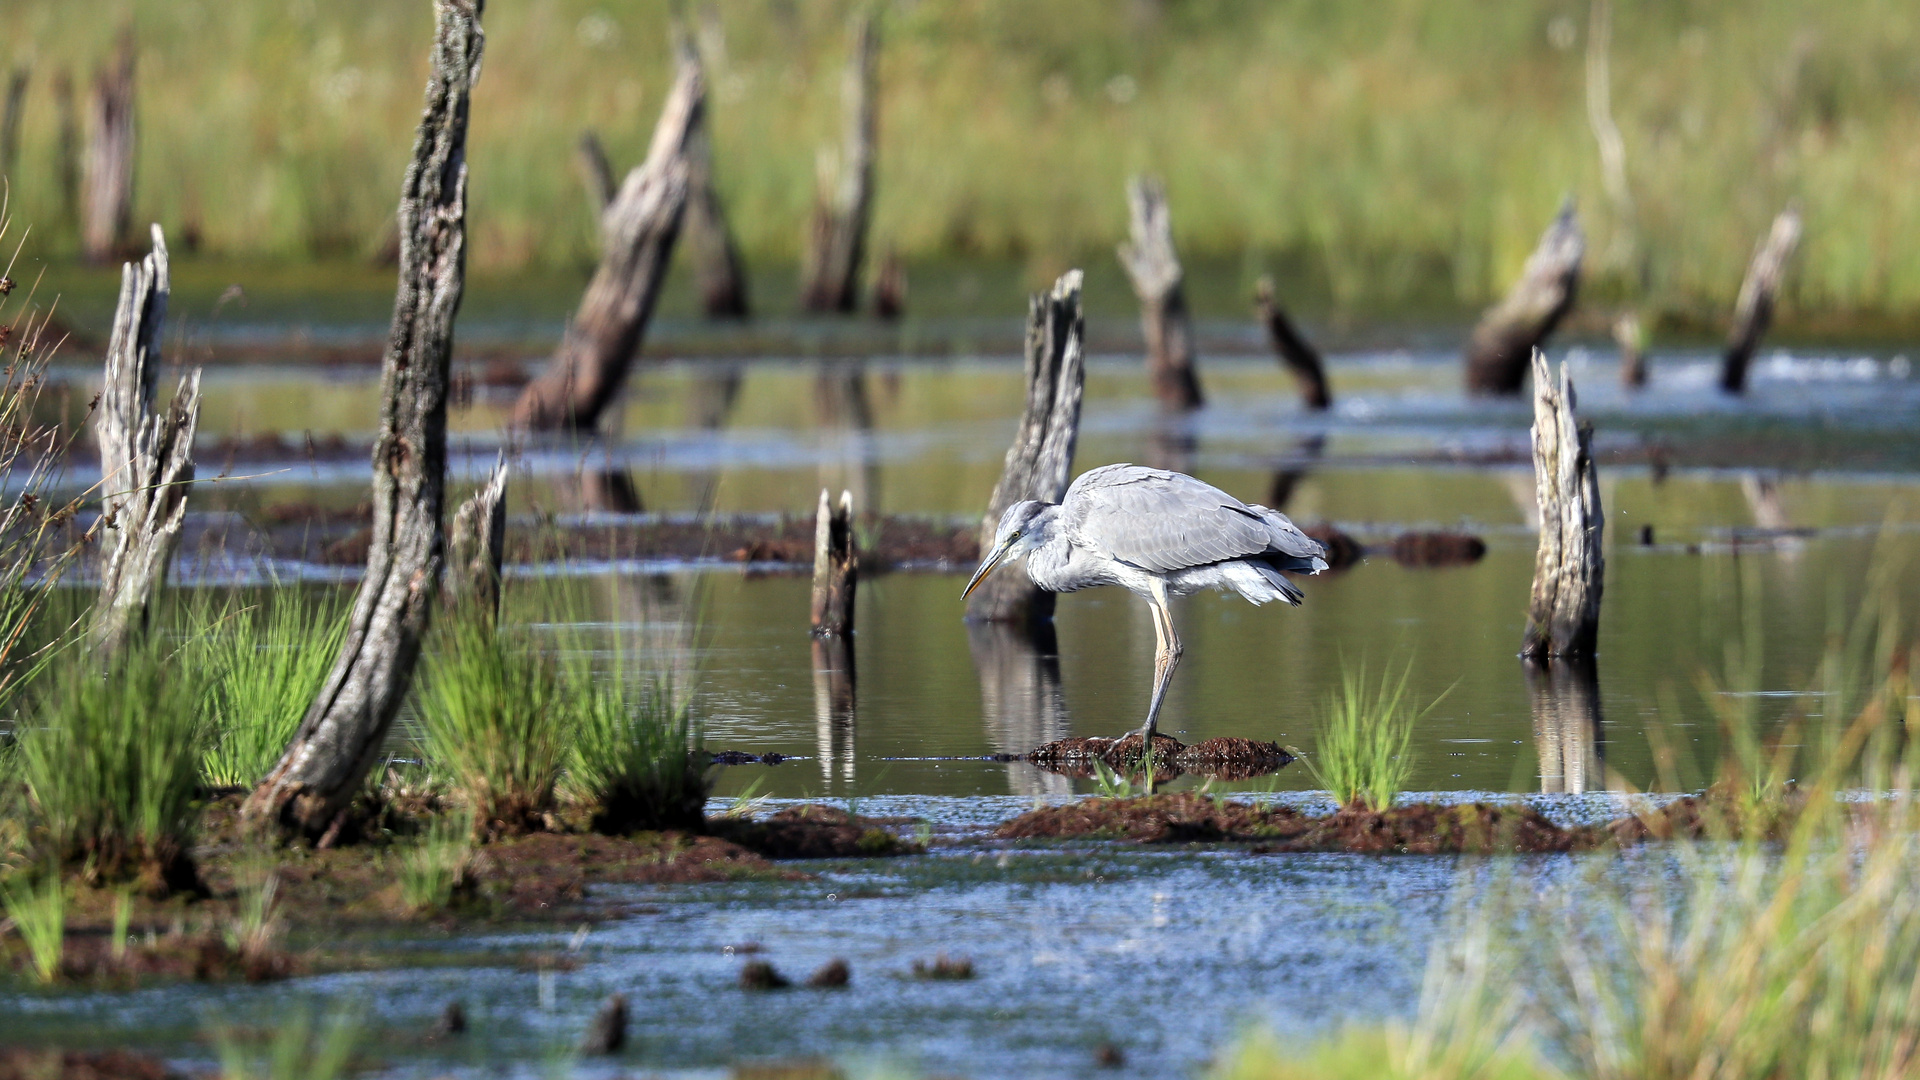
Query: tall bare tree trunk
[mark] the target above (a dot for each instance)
(1511, 330)
(1154, 268)
(10, 122)
(106, 202)
(637, 233)
(1563, 617)
(345, 728)
(1300, 357)
(717, 269)
(1040, 461)
(1753, 311)
(830, 279)
(146, 461)
(596, 174)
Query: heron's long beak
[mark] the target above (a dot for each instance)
(986, 568)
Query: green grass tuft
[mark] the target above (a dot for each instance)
(271, 660)
(435, 868)
(1363, 752)
(490, 711)
(298, 1048)
(635, 758)
(39, 916)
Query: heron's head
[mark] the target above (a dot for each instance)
(1021, 530)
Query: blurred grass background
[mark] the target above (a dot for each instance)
(1385, 154)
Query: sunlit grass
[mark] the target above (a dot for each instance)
(39, 916)
(489, 708)
(270, 659)
(1363, 750)
(635, 757)
(432, 869)
(293, 1047)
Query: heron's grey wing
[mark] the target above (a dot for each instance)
(1287, 538)
(1161, 521)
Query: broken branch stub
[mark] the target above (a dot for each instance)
(637, 233)
(1300, 357)
(836, 568)
(477, 546)
(1632, 339)
(836, 245)
(1154, 268)
(596, 174)
(106, 199)
(1563, 616)
(146, 461)
(1040, 461)
(1512, 329)
(1753, 311)
(346, 727)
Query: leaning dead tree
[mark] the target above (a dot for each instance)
(1040, 461)
(717, 269)
(836, 569)
(1563, 617)
(830, 278)
(1753, 311)
(1300, 357)
(346, 727)
(1510, 330)
(106, 186)
(477, 546)
(1154, 268)
(146, 460)
(596, 173)
(637, 233)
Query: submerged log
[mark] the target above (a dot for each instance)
(106, 203)
(477, 546)
(10, 122)
(1511, 330)
(1040, 461)
(1154, 268)
(146, 461)
(1563, 617)
(1753, 311)
(830, 278)
(637, 233)
(345, 729)
(596, 173)
(836, 569)
(1632, 339)
(717, 269)
(1300, 358)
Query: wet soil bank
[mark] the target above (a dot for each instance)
(1221, 758)
(22, 1064)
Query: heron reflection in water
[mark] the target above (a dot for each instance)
(1158, 534)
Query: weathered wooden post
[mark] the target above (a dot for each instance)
(1753, 311)
(830, 278)
(146, 461)
(346, 728)
(637, 234)
(1040, 461)
(836, 567)
(106, 201)
(1512, 329)
(1632, 339)
(717, 268)
(1563, 617)
(1300, 358)
(1154, 268)
(596, 173)
(477, 546)
(10, 121)
(1565, 699)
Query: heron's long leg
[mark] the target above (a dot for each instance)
(1166, 657)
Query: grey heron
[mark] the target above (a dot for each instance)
(1158, 534)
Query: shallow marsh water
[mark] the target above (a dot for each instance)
(1768, 517)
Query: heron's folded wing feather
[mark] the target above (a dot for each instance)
(1161, 521)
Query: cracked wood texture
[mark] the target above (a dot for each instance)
(637, 234)
(1563, 617)
(1154, 268)
(146, 461)
(836, 567)
(830, 278)
(346, 727)
(1301, 358)
(1753, 311)
(478, 546)
(1497, 354)
(1039, 464)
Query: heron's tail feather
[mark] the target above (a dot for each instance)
(1260, 582)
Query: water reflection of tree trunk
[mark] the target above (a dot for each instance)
(1763, 498)
(1294, 469)
(1565, 696)
(1020, 697)
(841, 402)
(833, 702)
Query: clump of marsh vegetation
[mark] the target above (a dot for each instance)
(1363, 749)
(634, 761)
(435, 869)
(491, 712)
(269, 660)
(39, 916)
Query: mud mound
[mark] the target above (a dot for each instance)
(1223, 758)
(1187, 817)
(815, 832)
(18, 1064)
(1436, 549)
(1343, 551)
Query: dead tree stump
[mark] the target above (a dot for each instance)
(106, 201)
(477, 546)
(10, 122)
(1753, 311)
(1563, 617)
(66, 164)
(146, 461)
(890, 287)
(1512, 329)
(836, 569)
(717, 269)
(1154, 268)
(346, 727)
(596, 174)
(830, 278)
(1632, 339)
(1300, 358)
(1040, 461)
(637, 233)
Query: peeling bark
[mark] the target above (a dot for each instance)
(1563, 616)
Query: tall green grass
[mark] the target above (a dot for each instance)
(39, 916)
(269, 660)
(296, 1047)
(490, 709)
(1363, 751)
(1384, 150)
(635, 760)
(110, 764)
(431, 870)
